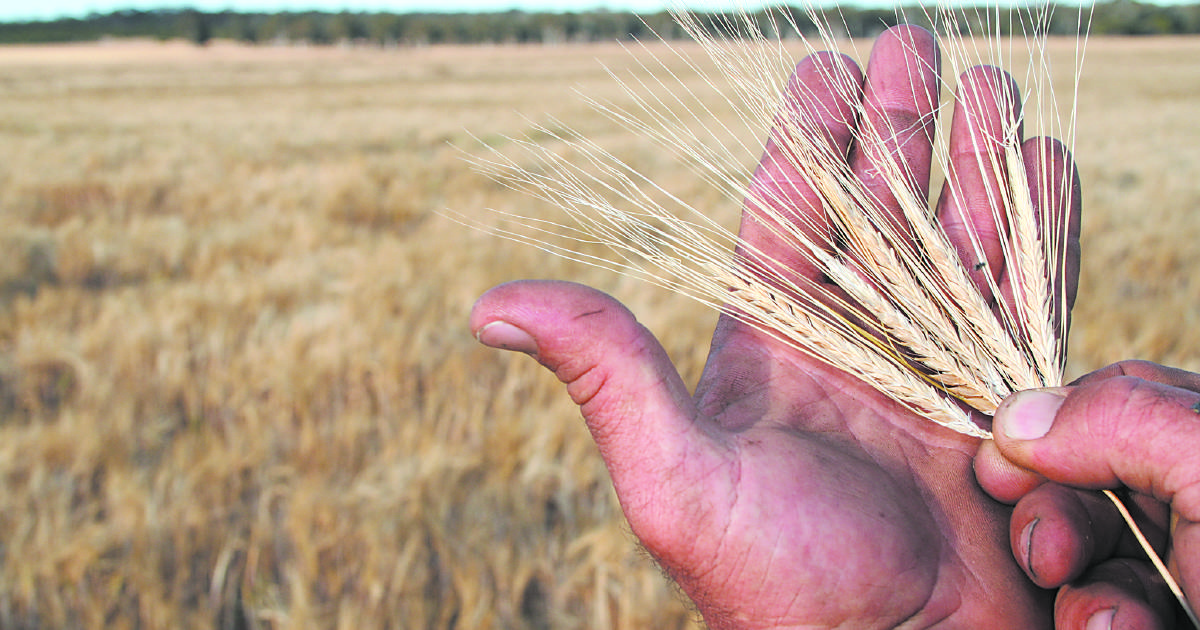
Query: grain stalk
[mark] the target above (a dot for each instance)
(904, 313)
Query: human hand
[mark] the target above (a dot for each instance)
(1132, 425)
(786, 493)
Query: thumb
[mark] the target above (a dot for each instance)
(636, 406)
(1122, 431)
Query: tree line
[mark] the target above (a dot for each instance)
(1119, 17)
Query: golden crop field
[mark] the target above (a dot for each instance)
(237, 389)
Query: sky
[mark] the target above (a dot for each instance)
(21, 10)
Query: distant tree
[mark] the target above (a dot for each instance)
(415, 31)
(246, 28)
(196, 27)
(312, 28)
(347, 27)
(273, 27)
(383, 28)
(1121, 17)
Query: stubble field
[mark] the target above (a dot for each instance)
(236, 385)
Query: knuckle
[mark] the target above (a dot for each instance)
(1139, 368)
(1128, 407)
(1153, 428)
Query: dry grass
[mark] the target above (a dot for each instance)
(235, 380)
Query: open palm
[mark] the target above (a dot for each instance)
(785, 493)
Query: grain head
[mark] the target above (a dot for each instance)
(915, 292)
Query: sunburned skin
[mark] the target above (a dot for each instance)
(811, 481)
(876, 518)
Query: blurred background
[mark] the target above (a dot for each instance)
(237, 389)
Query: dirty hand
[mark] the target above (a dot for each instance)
(785, 493)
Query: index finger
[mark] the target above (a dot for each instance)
(987, 107)
(816, 118)
(894, 153)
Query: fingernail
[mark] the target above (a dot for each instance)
(1101, 620)
(1028, 415)
(1025, 547)
(505, 336)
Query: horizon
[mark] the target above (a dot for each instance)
(50, 10)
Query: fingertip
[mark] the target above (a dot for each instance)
(1052, 534)
(902, 80)
(1116, 595)
(830, 60)
(1003, 480)
(1046, 149)
(494, 313)
(495, 303)
(987, 79)
(905, 42)
(909, 38)
(827, 72)
(1101, 619)
(910, 32)
(533, 305)
(564, 325)
(988, 104)
(1019, 421)
(1053, 179)
(1144, 370)
(504, 336)
(1027, 415)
